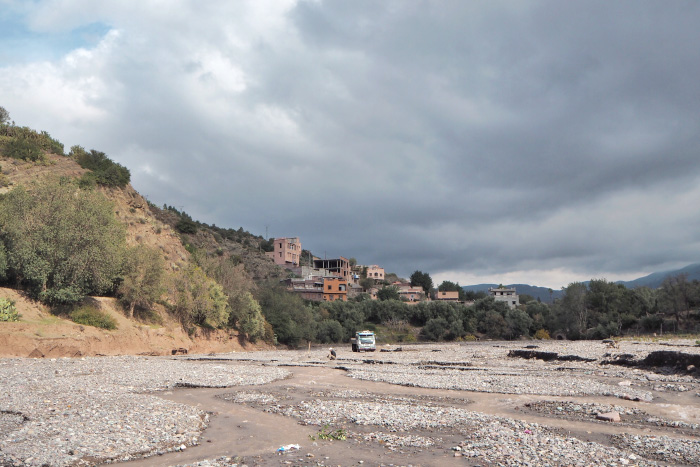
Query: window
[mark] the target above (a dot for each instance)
(329, 287)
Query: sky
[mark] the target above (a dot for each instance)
(538, 142)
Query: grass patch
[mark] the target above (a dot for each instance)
(326, 433)
(8, 312)
(91, 316)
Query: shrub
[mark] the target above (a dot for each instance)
(8, 312)
(542, 334)
(91, 316)
(105, 170)
(24, 149)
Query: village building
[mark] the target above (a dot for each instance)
(409, 293)
(339, 267)
(375, 272)
(503, 294)
(319, 289)
(287, 251)
(448, 296)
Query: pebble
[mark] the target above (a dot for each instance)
(61, 411)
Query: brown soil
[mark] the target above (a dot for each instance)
(41, 334)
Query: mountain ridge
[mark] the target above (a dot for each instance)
(547, 295)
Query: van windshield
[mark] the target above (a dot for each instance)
(367, 339)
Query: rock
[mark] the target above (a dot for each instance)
(608, 416)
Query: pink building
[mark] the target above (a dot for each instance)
(287, 251)
(375, 272)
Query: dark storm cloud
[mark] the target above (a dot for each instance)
(555, 140)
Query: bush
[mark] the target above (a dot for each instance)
(24, 149)
(106, 171)
(8, 312)
(91, 316)
(542, 334)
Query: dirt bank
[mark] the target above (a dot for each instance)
(41, 334)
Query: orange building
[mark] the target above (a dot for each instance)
(335, 288)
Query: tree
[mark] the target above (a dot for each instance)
(62, 242)
(142, 282)
(366, 283)
(246, 314)
(199, 299)
(573, 309)
(423, 280)
(291, 320)
(389, 292)
(247, 317)
(4, 116)
(675, 296)
(448, 286)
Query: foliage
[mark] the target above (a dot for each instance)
(199, 299)
(330, 331)
(3, 262)
(142, 278)
(8, 312)
(326, 433)
(542, 334)
(186, 225)
(4, 116)
(389, 292)
(92, 316)
(27, 144)
(246, 314)
(105, 171)
(24, 149)
(434, 330)
(291, 319)
(247, 317)
(423, 280)
(62, 243)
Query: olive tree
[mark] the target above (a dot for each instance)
(142, 282)
(61, 242)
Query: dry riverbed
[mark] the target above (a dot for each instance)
(485, 403)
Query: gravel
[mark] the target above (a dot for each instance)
(62, 412)
(89, 410)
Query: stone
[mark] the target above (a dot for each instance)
(608, 416)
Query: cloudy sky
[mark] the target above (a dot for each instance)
(537, 142)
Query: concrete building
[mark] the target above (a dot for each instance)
(449, 296)
(287, 251)
(319, 289)
(510, 296)
(339, 267)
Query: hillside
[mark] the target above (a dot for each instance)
(655, 279)
(40, 333)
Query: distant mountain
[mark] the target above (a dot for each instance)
(655, 279)
(541, 293)
(652, 281)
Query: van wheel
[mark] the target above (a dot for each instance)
(354, 347)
